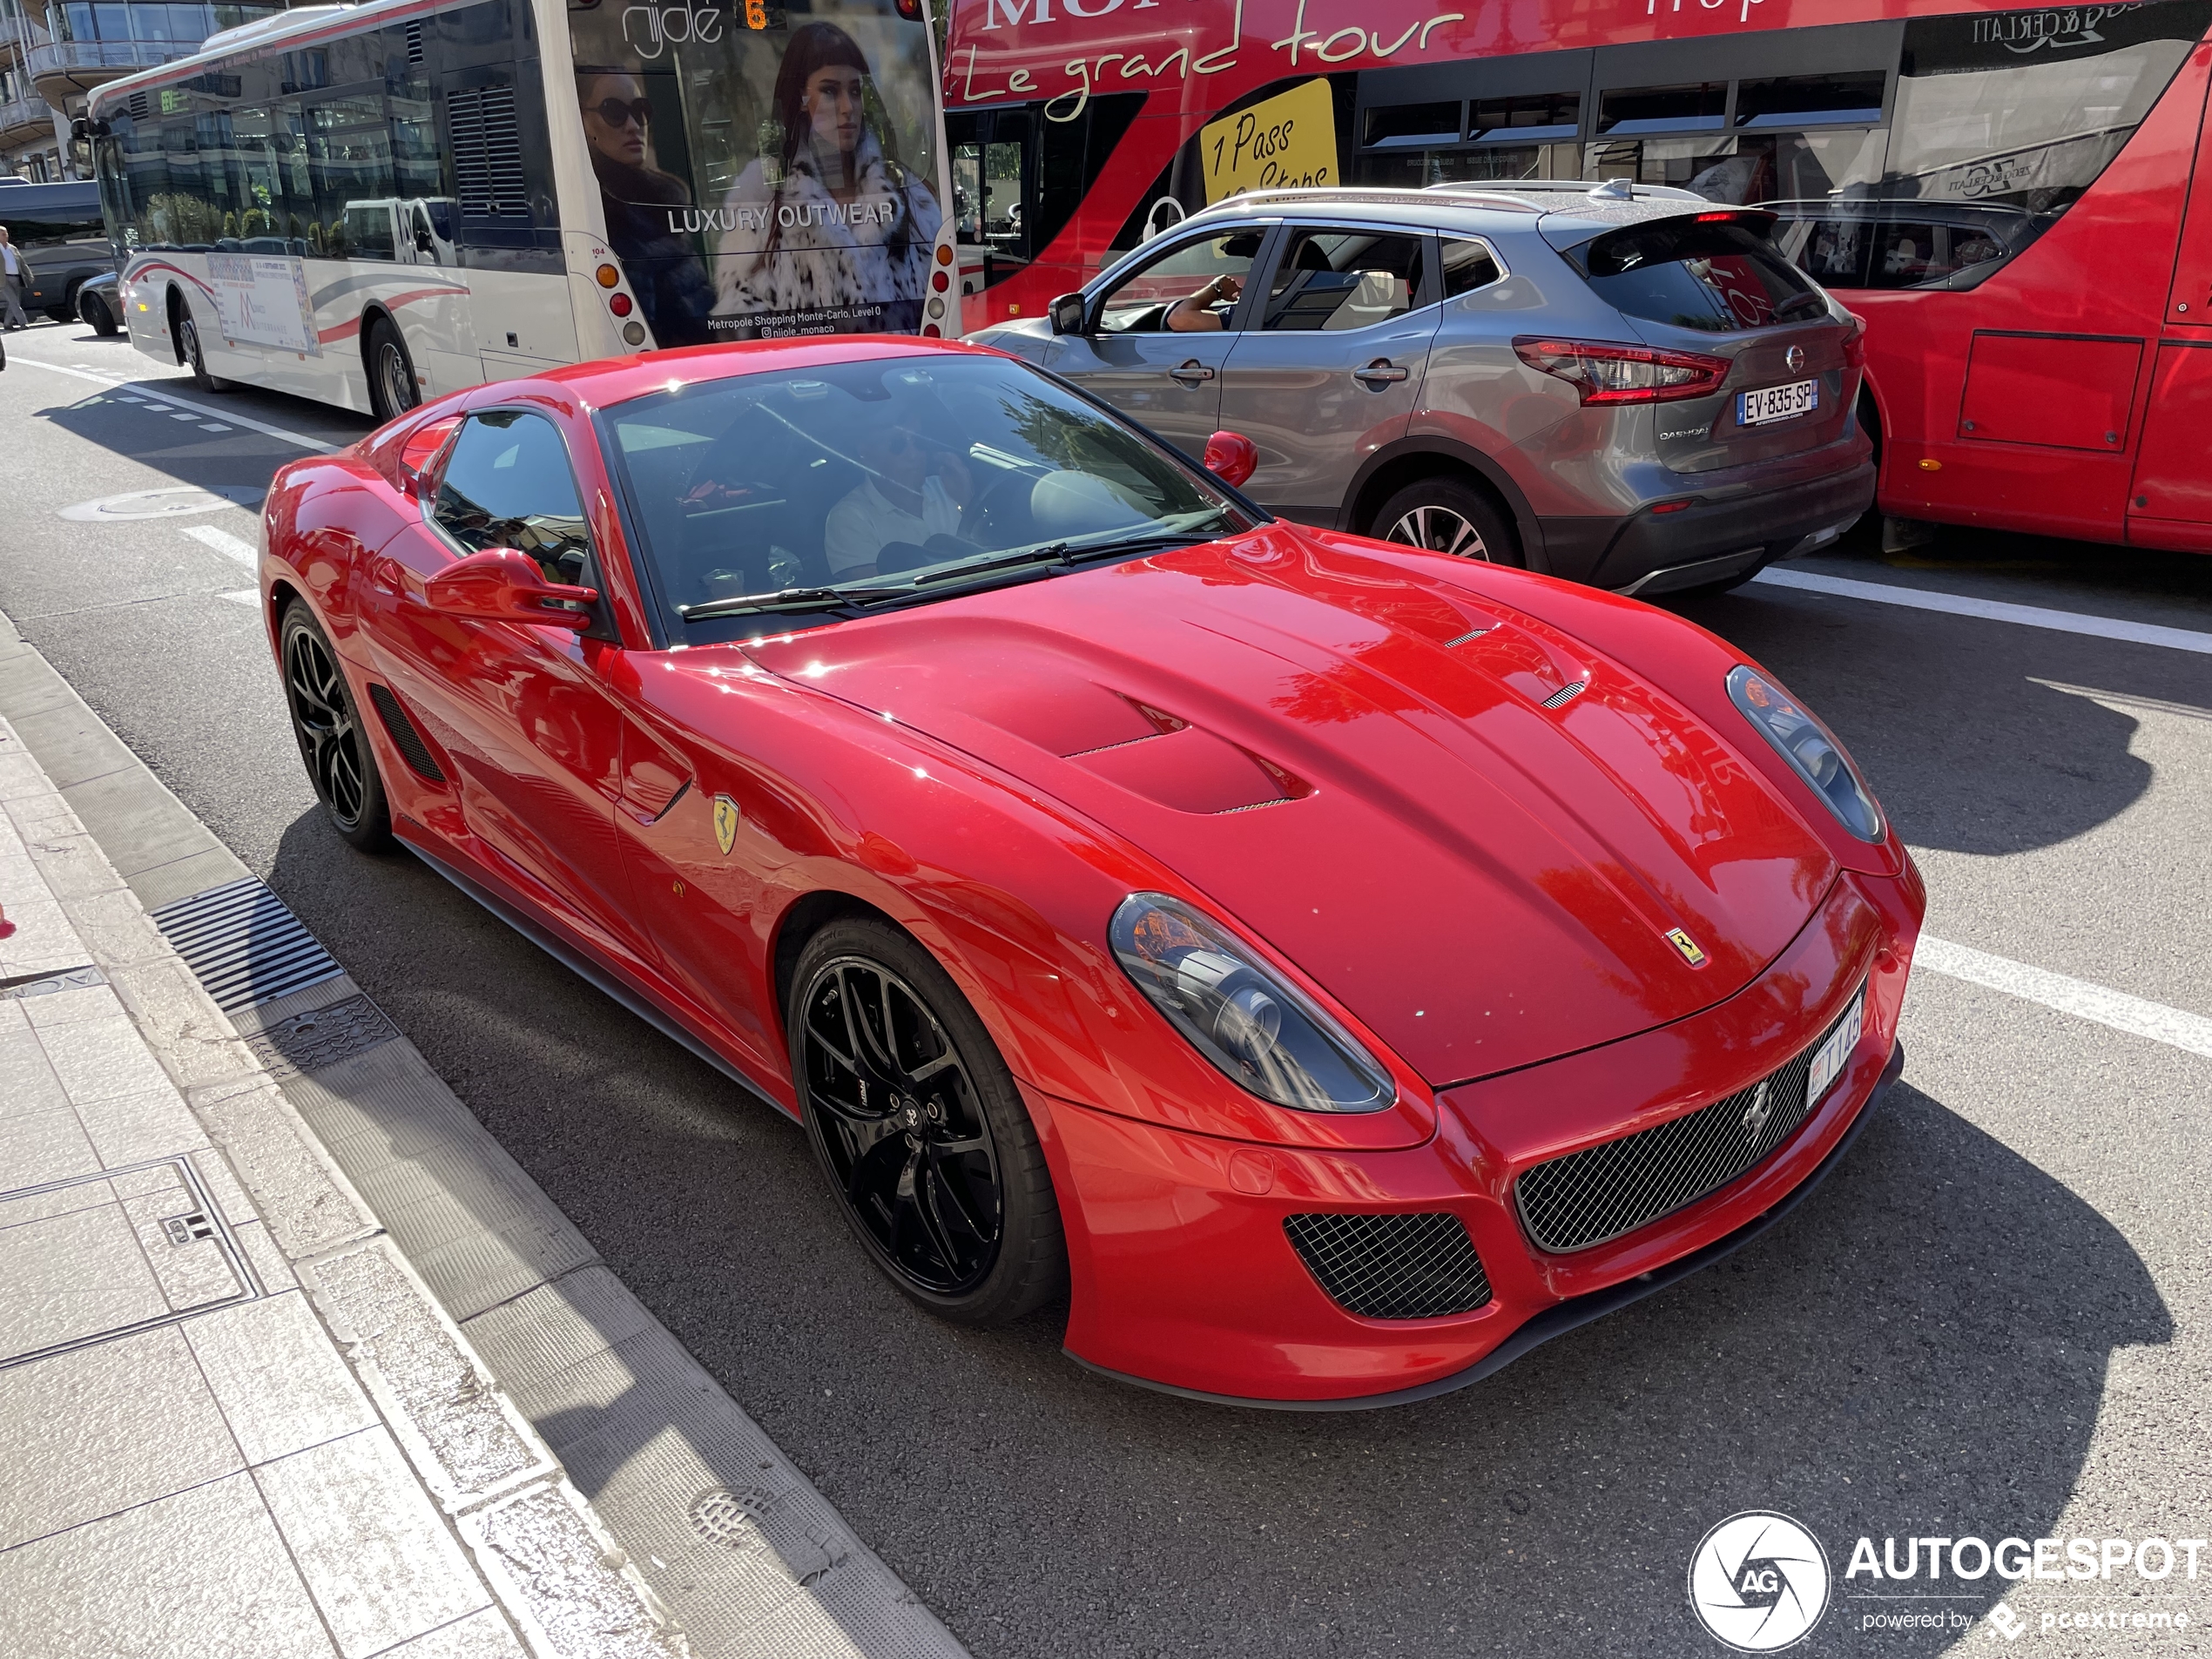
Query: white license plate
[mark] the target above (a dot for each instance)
(1835, 1054)
(1777, 403)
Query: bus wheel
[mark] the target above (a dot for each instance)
(188, 337)
(392, 387)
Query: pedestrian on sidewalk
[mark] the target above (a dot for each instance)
(15, 276)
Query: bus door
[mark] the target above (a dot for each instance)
(1328, 366)
(2170, 504)
(1157, 337)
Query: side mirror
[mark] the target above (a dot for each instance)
(1231, 457)
(424, 242)
(1067, 314)
(500, 584)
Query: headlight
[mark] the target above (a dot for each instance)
(1810, 749)
(1263, 1034)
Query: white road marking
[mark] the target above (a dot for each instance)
(298, 438)
(2078, 997)
(2065, 622)
(175, 416)
(223, 541)
(214, 426)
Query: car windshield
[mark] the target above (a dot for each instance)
(859, 486)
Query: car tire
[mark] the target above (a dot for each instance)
(93, 311)
(393, 389)
(327, 724)
(1447, 515)
(919, 1164)
(195, 359)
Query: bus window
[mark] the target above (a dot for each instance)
(1019, 175)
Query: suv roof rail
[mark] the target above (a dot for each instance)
(1610, 190)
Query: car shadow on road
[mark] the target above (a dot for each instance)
(1921, 1348)
(1974, 735)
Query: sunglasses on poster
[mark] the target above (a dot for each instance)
(616, 113)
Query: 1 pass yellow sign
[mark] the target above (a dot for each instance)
(1288, 142)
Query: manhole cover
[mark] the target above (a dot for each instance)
(157, 503)
(734, 1520)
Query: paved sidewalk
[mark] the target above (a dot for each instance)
(233, 1421)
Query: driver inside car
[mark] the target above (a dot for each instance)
(913, 492)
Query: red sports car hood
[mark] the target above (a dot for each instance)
(1395, 783)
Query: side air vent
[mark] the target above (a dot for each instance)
(409, 741)
(1567, 694)
(1392, 1267)
(414, 44)
(488, 153)
(139, 107)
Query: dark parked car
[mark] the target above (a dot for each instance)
(59, 227)
(99, 303)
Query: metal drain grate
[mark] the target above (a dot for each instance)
(735, 1519)
(244, 944)
(321, 1038)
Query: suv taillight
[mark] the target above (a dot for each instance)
(1605, 371)
(1855, 342)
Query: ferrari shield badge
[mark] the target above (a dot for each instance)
(1681, 941)
(725, 823)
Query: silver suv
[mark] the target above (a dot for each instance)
(1625, 386)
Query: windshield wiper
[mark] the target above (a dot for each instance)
(1072, 552)
(747, 604)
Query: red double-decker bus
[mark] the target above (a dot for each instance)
(2019, 202)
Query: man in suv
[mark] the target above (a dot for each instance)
(1624, 385)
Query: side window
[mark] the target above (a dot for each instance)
(508, 484)
(1333, 280)
(1467, 265)
(1209, 272)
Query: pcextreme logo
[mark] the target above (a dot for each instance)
(1758, 1582)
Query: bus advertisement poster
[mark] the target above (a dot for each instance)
(764, 175)
(260, 301)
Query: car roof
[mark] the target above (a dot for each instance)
(1560, 208)
(604, 382)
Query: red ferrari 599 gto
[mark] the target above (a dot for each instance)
(1334, 967)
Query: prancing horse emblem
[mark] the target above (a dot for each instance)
(1682, 942)
(725, 823)
(1758, 1112)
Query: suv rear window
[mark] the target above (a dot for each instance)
(1718, 277)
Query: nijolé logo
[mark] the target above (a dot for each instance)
(1758, 1582)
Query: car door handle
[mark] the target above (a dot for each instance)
(1193, 373)
(1380, 373)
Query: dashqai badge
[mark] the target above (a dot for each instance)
(1758, 1583)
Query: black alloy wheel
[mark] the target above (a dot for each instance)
(1445, 516)
(915, 1120)
(195, 359)
(392, 387)
(332, 742)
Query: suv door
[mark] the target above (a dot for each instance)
(1328, 368)
(1166, 374)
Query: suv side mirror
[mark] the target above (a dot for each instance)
(1067, 314)
(1231, 457)
(500, 584)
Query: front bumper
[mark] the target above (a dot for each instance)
(1183, 1278)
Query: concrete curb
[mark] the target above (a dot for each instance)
(550, 1564)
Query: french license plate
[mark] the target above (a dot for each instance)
(1835, 1054)
(1777, 403)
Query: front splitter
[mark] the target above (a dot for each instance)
(1562, 1317)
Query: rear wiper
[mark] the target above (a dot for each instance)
(1797, 300)
(747, 604)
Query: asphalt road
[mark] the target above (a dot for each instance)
(1992, 1320)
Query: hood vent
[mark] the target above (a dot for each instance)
(1567, 694)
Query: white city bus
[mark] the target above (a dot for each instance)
(370, 204)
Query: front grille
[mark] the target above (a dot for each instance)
(1392, 1267)
(1615, 1187)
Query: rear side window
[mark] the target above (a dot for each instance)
(1718, 278)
